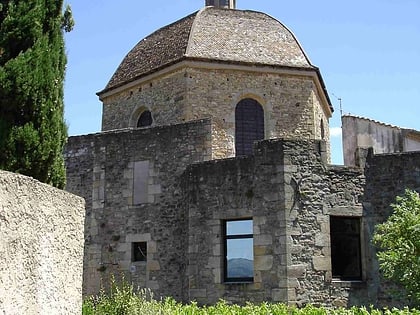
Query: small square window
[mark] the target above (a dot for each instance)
(139, 251)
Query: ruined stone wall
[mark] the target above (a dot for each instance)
(292, 106)
(387, 176)
(230, 189)
(41, 248)
(115, 220)
(289, 193)
(319, 191)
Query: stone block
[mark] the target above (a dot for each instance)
(145, 237)
(217, 275)
(154, 189)
(296, 271)
(151, 247)
(322, 239)
(153, 265)
(198, 293)
(263, 240)
(260, 250)
(263, 262)
(279, 295)
(321, 263)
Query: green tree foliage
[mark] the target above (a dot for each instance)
(399, 240)
(32, 69)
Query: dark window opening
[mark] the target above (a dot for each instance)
(145, 119)
(139, 251)
(249, 125)
(345, 248)
(322, 130)
(239, 251)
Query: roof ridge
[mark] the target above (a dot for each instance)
(380, 122)
(198, 13)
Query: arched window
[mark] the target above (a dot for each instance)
(249, 125)
(145, 119)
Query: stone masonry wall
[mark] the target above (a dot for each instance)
(289, 192)
(114, 222)
(165, 97)
(41, 248)
(291, 104)
(387, 176)
(315, 191)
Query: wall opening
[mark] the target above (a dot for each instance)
(249, 125)
(138, 251)
(145, 119)
(346, 257)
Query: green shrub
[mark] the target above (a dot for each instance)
(122, 299)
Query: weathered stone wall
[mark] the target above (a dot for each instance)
(292, 108)
(41, 248)
(318, 191)
(230, 189)
(291, 103)
(113, 221)
(287, 188)
(289, 193)
(387, 176)
(165, 97)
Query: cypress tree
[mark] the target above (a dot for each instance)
(32, 68)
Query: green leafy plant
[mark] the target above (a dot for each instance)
(122, 299)
(399, 242)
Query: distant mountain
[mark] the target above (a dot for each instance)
(240, 268)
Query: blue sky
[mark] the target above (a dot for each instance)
(368, 52)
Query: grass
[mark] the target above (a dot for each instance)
(122, 299)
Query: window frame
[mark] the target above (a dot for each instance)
(225, 251)
(334, 274)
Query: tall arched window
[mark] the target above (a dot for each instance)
(249, 125)
(145, 119)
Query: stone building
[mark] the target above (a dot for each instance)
(211, 179)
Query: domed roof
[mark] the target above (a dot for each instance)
(213, 34)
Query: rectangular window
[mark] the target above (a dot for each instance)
(139, 251)
(345, 248)
(141, 182)
(239, 251)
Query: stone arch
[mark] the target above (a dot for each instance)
(141, 117)
(249, 125)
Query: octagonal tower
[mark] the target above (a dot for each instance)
(249, 75)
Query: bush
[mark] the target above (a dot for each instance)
(399, 242)
(123, 300)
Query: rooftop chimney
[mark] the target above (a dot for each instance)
(227, 4)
